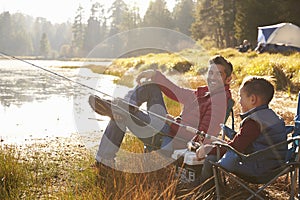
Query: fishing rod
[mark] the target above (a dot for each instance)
(188, 128)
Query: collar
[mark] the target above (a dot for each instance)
(208, 93)
(246, 114)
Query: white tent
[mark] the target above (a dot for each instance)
(286, 34)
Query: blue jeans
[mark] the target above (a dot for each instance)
(142, 124)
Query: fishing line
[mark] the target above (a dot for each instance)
(188, 128)
(78, 83)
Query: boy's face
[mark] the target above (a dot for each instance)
(217, 77)
(245, 101)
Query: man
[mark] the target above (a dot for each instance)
(203, 109)
(244, 47)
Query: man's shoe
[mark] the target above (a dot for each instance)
(101, 106)
(95, 165)
(105, 107)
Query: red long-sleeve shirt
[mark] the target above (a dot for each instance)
(201, 109)
(248, 133)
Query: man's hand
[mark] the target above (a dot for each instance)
(147, 75)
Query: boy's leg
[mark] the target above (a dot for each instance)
(206, 173)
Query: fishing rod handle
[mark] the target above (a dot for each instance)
(193, 130)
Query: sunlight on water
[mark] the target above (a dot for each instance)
(38, 119)
(34, 104)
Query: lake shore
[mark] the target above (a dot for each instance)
(61, 166)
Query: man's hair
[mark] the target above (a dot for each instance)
(220, 60)
(259, 86)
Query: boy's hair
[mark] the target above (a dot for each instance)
(259, 86)
(220, 60)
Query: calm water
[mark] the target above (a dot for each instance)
(37, 104)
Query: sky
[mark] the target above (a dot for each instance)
(60, 11)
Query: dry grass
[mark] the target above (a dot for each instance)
(284, 68)
(59, 168)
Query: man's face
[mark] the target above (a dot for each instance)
(217, 77)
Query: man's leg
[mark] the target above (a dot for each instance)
(140, 123)
(151, 124)
(110, 142)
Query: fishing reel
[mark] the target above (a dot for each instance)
(193, 146)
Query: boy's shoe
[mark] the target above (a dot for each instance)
(101, 106)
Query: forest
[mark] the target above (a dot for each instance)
(212, 23)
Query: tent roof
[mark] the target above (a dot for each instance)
(283, 33)
(272, 26)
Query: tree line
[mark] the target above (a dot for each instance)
(214, 23)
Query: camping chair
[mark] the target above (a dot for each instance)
(154, 143)
(291, 166)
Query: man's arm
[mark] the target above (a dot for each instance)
(171, 90)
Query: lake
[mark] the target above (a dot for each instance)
(38, 104)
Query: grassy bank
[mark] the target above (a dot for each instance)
(284, 68)
(60, 168)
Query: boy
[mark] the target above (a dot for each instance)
(260, 128)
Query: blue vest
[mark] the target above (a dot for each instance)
(272, 129)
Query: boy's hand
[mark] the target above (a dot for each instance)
(193, 146)
(147, 75)
(200, 152)
(203, 150)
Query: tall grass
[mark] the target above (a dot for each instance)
(60, 169)
(12, 177)
(284, 68)
(33, 176)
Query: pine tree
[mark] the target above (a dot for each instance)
(208, 21)
(45, 48)
(78, 32)
(158, 15)
(92, 34)
(288, 11)
(6, 29)
(183, 16)
(119, 12)
(251, 14)
(228, 18)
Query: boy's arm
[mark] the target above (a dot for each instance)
(246, 136)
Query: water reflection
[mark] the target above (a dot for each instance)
(37, 104)
(24, 83)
